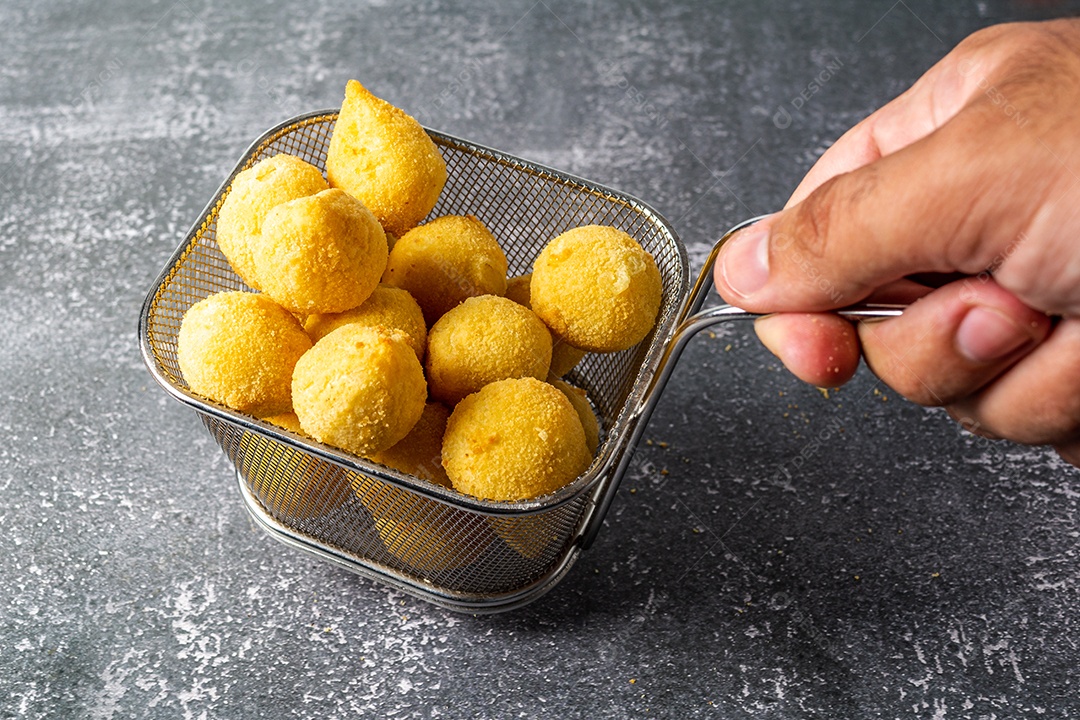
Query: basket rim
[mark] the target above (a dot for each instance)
(619, 434)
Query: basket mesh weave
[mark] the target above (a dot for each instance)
(430, 542)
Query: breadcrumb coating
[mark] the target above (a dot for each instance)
(239, 349)
(564, 356)
(321, 254)
(254, 193)
(360, 389)
(425, 534)
(382, 155)
(482, 340)
(580, 400)
(445, 261)
(420, 452)
(388, 307)
(517, 289)
(515, 439)
(597, 288)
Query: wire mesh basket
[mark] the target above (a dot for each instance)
(454, 550)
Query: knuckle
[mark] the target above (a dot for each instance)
(905, 380)
(1056, 421)
(1016, 62)
(1005, 39)
(912, 387)
(833, 212)
(814, 219)
(1024, 51)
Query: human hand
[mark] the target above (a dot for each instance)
(972, 175)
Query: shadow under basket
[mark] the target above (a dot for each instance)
(457, 551)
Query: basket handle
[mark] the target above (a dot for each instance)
(692, 320)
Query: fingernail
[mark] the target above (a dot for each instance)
(986, 335)
(769, 333)
(744, 262)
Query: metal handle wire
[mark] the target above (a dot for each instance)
(692, 321)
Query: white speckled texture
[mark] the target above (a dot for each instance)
(773, 552)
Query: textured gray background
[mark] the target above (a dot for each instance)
(898, 569)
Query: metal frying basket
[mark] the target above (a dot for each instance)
(454, 550)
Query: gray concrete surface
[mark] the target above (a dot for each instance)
(901, 569)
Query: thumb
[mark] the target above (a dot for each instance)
(942, 204)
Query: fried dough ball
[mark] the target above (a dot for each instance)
(446, 260)
(515, 439)
(386, 306)
(426, 535)
(360, 389)
(517, 289)
(528, 535)
(239, 349)
(482, 340)
(420, 452)
(564, 356)
(255, 192)
(291, 484)
(382, 156)
(580, 400)
(286, 421)
(320, 254)
(597, 288)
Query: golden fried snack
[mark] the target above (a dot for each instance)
(320, 254)
(515, 439)
(388, 307)
(517, 289)
(446, 260)
(580, 400)
(286, 421)
(564, 356)
(420, 452)
(252, 194)
(291, 484)
(426, 535)
(528, 535)
(239, 349)
(597, 288)
(360, 389)
(382, 156)
(482, 340)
